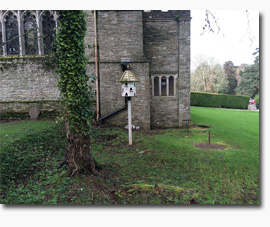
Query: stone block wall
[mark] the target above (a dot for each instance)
(167, 46)
(184, 67)
(164, 112)
(20, 109)
(27, 82)
(120, 35)
(89, 38)
(156, 42)
(161, 44)
(27, 79)
(111, 98)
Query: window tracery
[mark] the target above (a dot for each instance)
(24, 32)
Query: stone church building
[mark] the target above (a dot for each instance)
(156, 45)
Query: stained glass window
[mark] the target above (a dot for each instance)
(48, 29)
(171, 85)
(12, 34)
(30, 33)
(163, 86)
(156, 86)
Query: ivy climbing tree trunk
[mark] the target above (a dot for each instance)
(76, 94)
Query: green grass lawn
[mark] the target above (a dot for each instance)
(162, 167)
(240, 130)
(9, 132)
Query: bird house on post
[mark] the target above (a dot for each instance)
(128, 90)
(129, 83)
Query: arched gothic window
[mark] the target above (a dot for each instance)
(12, 34)
(30, 33)
(27, 32)
(48, 30)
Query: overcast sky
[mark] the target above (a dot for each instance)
(237, 40)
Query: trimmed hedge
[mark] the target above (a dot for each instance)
(218, 100)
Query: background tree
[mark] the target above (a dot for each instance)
(211, 22)
(75, 92)
(208, 77)
(230, 72)
(250, 78)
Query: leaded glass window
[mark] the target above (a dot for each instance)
(156, 86)
(30, 33)
(163, 86)
(171, 85)
(12, 34)
(27, 32)
(1, 40)
(48, 30)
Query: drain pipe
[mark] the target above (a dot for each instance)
(116, 111)
(96, 64)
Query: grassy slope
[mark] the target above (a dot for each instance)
(163, 166)
(30, 156)
(240, 129)
(209, 176)
(19, 129)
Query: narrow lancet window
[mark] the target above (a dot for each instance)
(30, 34)
(12, 34)
(163, 86)
(1, 40)
(48, 30)
(156, 86)
(171, 85)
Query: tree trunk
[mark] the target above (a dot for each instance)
(78, 157)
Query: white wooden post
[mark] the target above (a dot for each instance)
(129, 121)
(128, 89)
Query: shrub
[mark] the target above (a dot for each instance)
(257, 98)
(218, 100)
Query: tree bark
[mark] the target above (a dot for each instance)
(78, 157)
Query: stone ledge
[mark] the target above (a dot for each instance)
(21, 57)
(29, 101)
(20, 109)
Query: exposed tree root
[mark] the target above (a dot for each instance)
(78, 157)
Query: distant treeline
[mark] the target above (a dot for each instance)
(210, 76)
